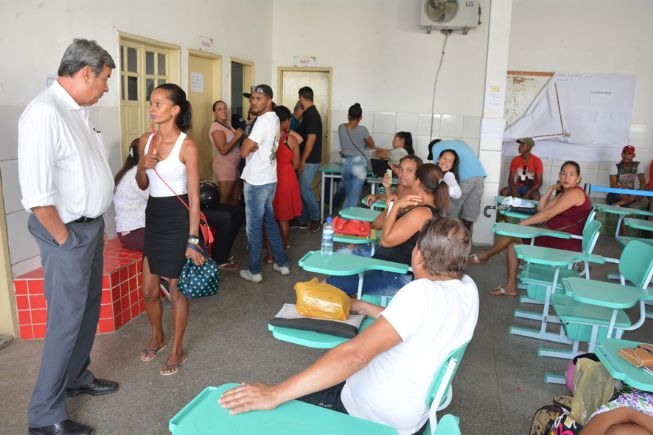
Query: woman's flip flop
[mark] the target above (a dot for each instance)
(501, 291)
(148, 355)
(171, 369)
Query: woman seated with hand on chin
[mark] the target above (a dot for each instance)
(401, 223)
(568, 212)
(406, 172)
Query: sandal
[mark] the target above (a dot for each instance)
(269, 259)
(473, 258)
(501, 291)
(228, 266)
(171, 369)
(148, 355)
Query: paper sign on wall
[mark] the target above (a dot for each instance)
(304, 61)
(196, 82)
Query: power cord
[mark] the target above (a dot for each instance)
(446, 33)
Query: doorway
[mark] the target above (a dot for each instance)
(242, 78)
(318, 79)
(204, 87)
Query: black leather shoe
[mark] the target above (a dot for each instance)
(66, 427)
(96, 388)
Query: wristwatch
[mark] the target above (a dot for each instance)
(194, 240)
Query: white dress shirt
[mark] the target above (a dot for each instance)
(61, 157)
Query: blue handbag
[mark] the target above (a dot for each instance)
(199, 281)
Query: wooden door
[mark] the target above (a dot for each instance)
(204, 74)
(318, 79)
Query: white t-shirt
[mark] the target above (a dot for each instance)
(433, 318)
(261, 165)
(130, 201)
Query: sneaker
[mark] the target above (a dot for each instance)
(297, 225)
(283, 270)
(314, 226)
(249, 276)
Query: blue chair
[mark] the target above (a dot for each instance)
(593, 311)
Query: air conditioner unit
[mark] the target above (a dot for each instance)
(460, 15)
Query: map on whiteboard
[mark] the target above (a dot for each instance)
(521, 89)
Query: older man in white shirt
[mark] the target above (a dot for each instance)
(66, 183)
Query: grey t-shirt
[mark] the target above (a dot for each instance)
(352, 141)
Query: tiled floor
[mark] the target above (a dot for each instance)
(496, 391)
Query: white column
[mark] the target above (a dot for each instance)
(493, 122)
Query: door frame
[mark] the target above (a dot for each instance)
(326, 126)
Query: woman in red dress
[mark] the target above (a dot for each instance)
(287, 201)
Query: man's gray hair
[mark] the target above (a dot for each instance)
(81, 53)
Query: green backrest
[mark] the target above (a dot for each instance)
(636, 263)
(441, 384)
(448, 425)
(590, 235)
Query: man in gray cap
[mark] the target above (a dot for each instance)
(526, 173)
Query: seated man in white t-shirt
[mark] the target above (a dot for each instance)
(384, 373)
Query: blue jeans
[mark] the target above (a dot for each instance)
(310, 207)
(354, 173)
(259, 214)
(375, 282)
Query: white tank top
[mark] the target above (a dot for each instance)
(172, 170)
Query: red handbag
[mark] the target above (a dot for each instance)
(351, 227)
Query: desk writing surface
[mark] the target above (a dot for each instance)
(316, 340)
(360, 213)
(553, 257)
(203, 416)
(640, 224)
(602, 293)
(331, 168)
(621, 369)
(340, 264)
(605, 208)
(527, 231)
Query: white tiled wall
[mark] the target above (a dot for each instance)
(423, 127)
(595, 172)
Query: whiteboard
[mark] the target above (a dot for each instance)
(521, 89)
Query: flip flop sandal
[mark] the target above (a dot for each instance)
(148, 355)
(474, 259)
(500, 291)
(171, 369)
(228, 266)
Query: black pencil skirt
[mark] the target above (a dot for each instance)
(166, 235)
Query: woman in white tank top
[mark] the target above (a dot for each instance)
(168, 165)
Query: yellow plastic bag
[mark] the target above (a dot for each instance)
(593, 386)
(322, 300)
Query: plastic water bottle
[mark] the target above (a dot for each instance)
(327, 237)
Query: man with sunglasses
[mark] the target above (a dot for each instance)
(526, 171)
(259, 150)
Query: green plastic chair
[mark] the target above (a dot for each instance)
(448, 425)
(318, 340)
(593, 311)
(441, 392)
(340, 264)
(537, 278)
(202, 415)
(558, 260)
